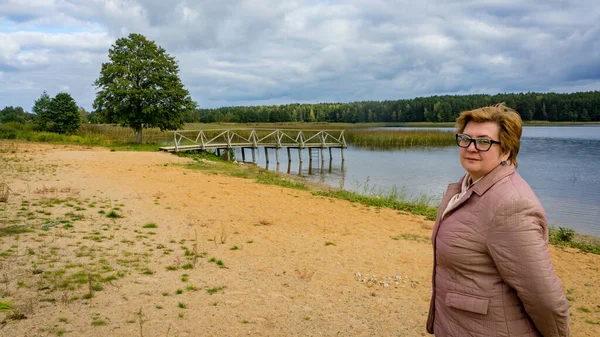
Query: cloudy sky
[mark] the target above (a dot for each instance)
(250, 52)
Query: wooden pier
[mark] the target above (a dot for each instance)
(253, 139)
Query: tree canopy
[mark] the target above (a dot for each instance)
(59, 114)
(140, 87)
(64, 114)
(15, 114)
(41, 107)
(579, 106)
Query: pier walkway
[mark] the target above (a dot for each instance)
(253, 139)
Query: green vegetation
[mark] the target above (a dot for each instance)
(59, 114)
(584, 309)
(13, 230)
(579, 106)
(12, 114)
(391, 200)
(392, 139)
(5, 306)
(113, 215)
(214, 290)
(567, 237)
(150, 225)
(142, 74)
(220, 166)
(412, 237)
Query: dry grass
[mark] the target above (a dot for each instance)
(4, 192)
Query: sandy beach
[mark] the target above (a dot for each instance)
(138, 244)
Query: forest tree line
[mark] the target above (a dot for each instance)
(573, 107)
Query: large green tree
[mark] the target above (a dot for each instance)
(140, 87)
(63, 114)
(41, 107)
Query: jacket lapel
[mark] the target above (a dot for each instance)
(480, 188)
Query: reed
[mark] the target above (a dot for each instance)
(399, 139)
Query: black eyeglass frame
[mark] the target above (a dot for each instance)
(475, 141)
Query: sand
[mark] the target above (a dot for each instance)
(248, 259)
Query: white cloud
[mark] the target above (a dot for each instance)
(281, 51)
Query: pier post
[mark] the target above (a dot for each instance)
(267, 154)
(322, 154)
(342, 154)
(330, 157)
(277, 155)
(289, 156)
(254, 155)
(243, 154)
(300, 154)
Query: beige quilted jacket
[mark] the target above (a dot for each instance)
(492, 272)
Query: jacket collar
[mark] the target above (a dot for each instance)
(493, 177)
(480, 188)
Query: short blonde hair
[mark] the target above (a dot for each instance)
(511, 126)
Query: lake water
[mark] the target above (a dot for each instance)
(562, 165)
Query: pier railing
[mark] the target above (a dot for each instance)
(185, 140)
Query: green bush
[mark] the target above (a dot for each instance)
(567, 237)
(565, 234)
(6, 133)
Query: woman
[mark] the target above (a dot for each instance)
(492, 273)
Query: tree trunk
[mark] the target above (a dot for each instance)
(138, 139)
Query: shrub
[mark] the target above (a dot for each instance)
(565, 234)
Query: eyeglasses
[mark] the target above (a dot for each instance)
(481, 144)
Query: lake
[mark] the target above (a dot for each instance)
(561, 163)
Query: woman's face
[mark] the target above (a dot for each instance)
(479, 163)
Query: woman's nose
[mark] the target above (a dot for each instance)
(472, 147)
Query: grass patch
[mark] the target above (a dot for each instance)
(5, 306)
(113, 215)
(98, 322)
(584, 309)
(150, 225)
(392, 200)
(271, 178)
(14, 230)
(212, 291)
(566, 237)
(412, 237)
(130, 146)
(208, 162)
